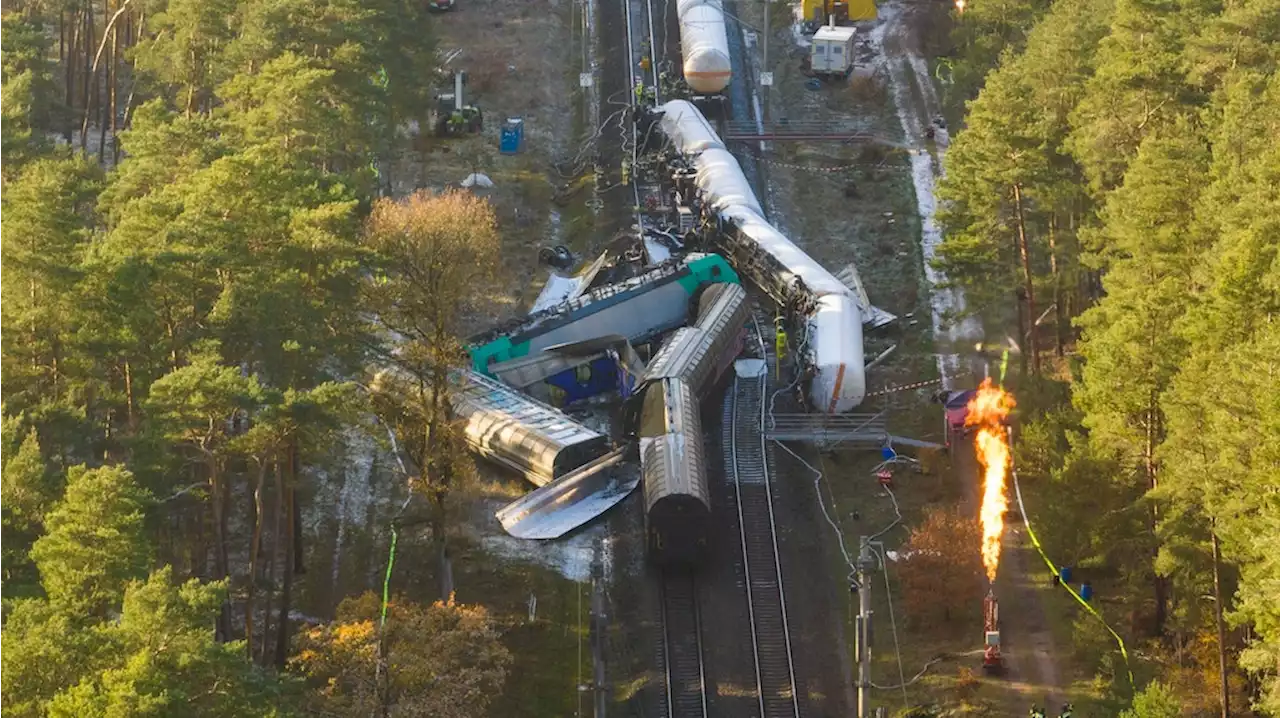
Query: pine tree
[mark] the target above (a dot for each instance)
(195, 408)
(1139, 87)
(95, 541)
(27, 494)
(48, 225)
(46, 650)
(161, 658)
(1012, 156)
(1130, 346)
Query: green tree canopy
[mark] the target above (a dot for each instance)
(95, 540)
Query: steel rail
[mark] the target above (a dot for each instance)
(684, 664)
(763, 554)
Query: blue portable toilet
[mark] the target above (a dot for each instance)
(1086, 591)
(1064, 573)
(512, 137)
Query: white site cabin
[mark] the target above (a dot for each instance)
(832, 50)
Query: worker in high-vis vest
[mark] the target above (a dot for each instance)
(780, 344)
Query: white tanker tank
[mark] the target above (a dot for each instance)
(834, 342)
(704, 45)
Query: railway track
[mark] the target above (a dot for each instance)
(641, 42)
(748, 464)
(686, 695)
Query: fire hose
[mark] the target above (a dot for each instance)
(1053, 569)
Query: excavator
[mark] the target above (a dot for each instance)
(452, 118)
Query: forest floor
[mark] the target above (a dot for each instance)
(522, 61)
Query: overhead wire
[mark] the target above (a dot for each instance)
(851, 577)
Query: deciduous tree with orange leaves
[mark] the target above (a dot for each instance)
(435, 256)
(941, 573)
(445, 660)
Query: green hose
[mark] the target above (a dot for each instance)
(386, 582)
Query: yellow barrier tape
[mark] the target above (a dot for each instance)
(1054, 570)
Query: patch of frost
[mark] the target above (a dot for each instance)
(924, 170)
(569, 557)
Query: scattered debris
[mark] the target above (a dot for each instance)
(477, 179)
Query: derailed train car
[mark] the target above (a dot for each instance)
(673, 467)
(525, 435)
(672, 461)
(699, 354)
(832, 317)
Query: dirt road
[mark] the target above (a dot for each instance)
(1027, 640)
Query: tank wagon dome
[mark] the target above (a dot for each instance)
(705, 45)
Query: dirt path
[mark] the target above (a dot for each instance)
(917, 105)
(1029, 649)
(1027, 640)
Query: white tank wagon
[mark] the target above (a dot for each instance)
(523, 434)
(833, 319)
(704, 46)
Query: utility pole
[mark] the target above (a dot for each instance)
(598, 624)
(862, 627)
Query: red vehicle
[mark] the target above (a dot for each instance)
(956, 407)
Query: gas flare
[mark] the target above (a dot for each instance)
(988, 410)
(960, 6)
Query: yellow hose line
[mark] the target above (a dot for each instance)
(1054, 570)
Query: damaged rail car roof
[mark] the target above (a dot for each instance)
(637, 309)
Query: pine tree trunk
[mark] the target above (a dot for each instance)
(128, 397)
(136, 36)
(254, 543)
(286, 591)
(1222, 631)
(1025, 252)
(218, 496)
(1149, 465)
(69, 97)
(115, 82)
(111, 101)
(272, 563)
(86, 86)
(295, 510)
(1058, 318)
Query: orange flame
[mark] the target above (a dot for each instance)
(987, 411)
(960, 6)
